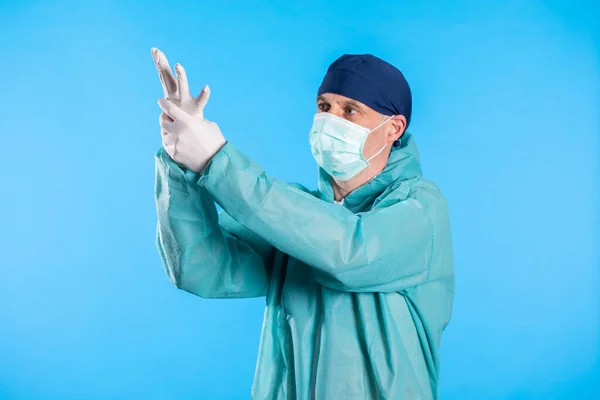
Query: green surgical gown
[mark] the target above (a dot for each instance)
(357, 294)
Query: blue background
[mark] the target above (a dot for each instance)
(506, 115)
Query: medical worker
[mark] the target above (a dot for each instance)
(358, 275)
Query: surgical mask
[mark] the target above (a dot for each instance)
(337, 145)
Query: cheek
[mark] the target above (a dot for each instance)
(373, 144)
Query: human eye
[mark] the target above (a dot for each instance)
(350, 111)
(323, 107)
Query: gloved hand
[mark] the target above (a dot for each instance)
(188, 139)
(178, 90)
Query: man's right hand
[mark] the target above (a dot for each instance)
(177, 90)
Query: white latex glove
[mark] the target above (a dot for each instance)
(177, 90)
(189, 140)
(181, 138)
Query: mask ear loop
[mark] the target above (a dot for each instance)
(381, 124)
(385, 145)
(378, 153)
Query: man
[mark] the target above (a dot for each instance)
(358, 276)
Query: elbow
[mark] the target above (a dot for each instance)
(343, 277)
(173, 272)
(179, 275)
(203, 281)
(189, 287)
(204, 291)
(176, 279)
(378, 276)
(176, 268)
(199, 287)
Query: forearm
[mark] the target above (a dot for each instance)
(348, 250)
(199, 255)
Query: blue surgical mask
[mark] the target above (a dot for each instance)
(337, 145)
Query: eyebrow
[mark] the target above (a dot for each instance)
(346, 102)
(353, 103)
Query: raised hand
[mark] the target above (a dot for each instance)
(187, 137)
(178, 90)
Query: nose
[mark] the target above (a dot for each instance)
(336, 110)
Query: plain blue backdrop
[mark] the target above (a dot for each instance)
(506, 116)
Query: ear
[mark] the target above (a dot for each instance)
(399, 125)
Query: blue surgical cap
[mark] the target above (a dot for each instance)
(370, 80)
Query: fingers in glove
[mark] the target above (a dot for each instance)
(164, 118)
(169, 126)
(165, 74)
(168, 139)
(172, 110)
(202, 98)
(165, 122)
(182, 83)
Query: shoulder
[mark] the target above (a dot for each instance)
(417, 191)
(418, 188)
(427, 191)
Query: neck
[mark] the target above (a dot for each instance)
(341, 189)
